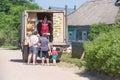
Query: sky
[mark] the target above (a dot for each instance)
(60, 3)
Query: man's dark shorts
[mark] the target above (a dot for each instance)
(45, 54)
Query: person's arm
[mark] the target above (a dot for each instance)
(49, 47)
(37, 41)
(56, 53)
(30, 44)
(40, 20)
(39, 45)
(23, 42)
(49, 21)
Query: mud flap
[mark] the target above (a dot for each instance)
(25, 53)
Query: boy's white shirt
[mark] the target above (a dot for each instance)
(34, 39)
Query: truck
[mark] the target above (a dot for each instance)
(58, 28)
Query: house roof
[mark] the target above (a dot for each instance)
(93, 12)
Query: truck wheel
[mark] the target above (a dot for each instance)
(59, 50)
(59, 56)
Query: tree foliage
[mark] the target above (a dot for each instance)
(10, 11)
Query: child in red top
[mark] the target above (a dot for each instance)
(54, 55)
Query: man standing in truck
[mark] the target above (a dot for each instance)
(44, 27)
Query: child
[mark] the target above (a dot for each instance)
(54, 55)
(33, 48)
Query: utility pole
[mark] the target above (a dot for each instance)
(74, 7)
(66, 25)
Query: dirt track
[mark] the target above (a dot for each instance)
(13, 68)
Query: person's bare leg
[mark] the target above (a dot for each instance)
(29, 58)
(43, 61)
(34, 58)
(54, 62)
(47, 59)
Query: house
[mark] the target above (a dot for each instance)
(91, 12)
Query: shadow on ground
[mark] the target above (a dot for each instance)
(89, 76)
(95, 76)
(17, 60)
(22, 61)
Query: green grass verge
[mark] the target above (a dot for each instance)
(10, 47)
(67, 57)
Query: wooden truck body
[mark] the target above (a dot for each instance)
(58, 31)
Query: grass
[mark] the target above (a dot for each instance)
(67, 57)
(10, 47)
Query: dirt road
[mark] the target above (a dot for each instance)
(13, 68)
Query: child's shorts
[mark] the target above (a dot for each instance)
(54, 57)
(33, 50)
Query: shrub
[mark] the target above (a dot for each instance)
(103, 53)
(96, 29)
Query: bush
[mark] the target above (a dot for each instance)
(103, 53)
(96, 29)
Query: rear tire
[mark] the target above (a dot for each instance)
(59, 50)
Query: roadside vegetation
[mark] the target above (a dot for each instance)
(10, 47)
(10, 11)
(103, 50)
(67, 57)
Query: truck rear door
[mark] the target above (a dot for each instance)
(58, 28)
(23, 25)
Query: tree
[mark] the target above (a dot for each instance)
(10, 11)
